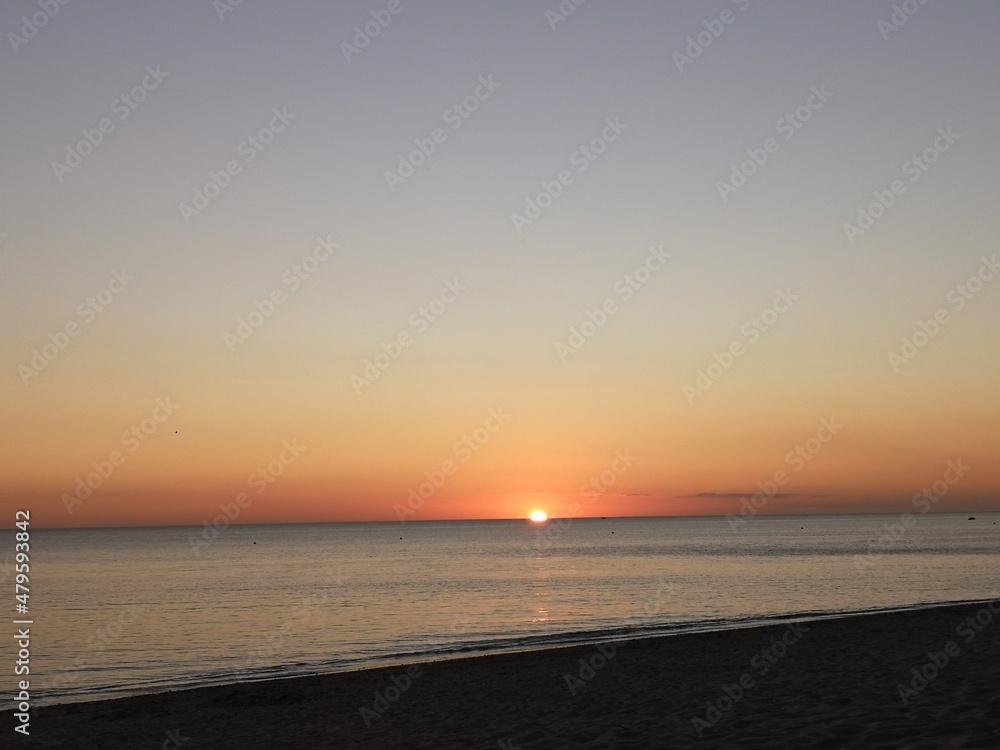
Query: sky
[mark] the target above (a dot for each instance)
(370, 261)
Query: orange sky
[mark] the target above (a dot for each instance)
(564, 253)
(301, 454)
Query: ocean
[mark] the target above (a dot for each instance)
(126, 611)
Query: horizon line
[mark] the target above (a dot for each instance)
(498, 520)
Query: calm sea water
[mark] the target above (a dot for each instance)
(124, 611)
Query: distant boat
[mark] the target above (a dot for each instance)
(972, 518)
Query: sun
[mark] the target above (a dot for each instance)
(538, 516)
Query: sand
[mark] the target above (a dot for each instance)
(831, 684)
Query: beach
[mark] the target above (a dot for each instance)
(925, 678)
(513, 375)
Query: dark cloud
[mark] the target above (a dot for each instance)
(738, 495)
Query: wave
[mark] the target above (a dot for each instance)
(481, 646)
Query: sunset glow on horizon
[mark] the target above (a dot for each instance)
(449, 374)
(480, 285)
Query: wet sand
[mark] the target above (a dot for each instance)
(825, 684)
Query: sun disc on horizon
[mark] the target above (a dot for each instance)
(538, 516)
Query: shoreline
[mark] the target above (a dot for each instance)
(395, 522)
(838, 681)
(570, 639)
